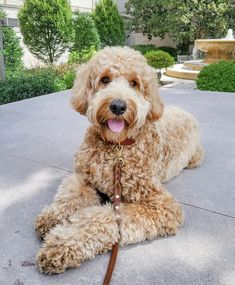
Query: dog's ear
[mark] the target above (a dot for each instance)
(82, 89)
(156, 104)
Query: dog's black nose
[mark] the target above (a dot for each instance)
(118, 107)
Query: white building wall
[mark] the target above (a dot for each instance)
(11, 2)
(83, 5)
(121, 5)
(140, 39)
(87, 4)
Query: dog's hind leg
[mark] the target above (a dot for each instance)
(72, 195)
(197, 158)
(91, 231)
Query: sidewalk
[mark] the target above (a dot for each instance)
(177, 83)
(38, 138)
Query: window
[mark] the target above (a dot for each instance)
(10, 22)
(13, 22)
(12, 2)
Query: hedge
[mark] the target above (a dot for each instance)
(146, 48)
(219, 76)
(36, 82)
(27, 86)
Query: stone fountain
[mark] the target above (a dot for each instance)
(218, 49)
(215, 50)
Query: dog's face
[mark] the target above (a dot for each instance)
(118, 92)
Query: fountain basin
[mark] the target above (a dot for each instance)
(188, 70)
(216, 49)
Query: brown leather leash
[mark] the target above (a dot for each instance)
(117, 187)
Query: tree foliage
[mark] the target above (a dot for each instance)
(86, 40)
(46, 26)
(149, 16)
(231, 19)
(109, 23)
(85, 32)
(185, 21)
(83, 56)
(12, 52)
(2, 14)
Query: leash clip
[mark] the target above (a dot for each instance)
(119, 154)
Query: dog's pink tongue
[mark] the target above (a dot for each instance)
(116, 125)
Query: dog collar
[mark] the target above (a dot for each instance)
(127, 141)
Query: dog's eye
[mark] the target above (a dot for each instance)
(105, 80)
(133, 83)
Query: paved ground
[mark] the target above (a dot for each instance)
(38, 138)
(176, 83)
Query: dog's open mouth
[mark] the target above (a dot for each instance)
(116, 125)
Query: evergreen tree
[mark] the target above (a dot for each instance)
(12, 52)
(46, 26)
(85, 33)
(2, 14)
(109, 23)
(86, 40)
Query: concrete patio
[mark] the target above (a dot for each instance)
(38, 138)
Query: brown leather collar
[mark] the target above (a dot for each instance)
(127, 141)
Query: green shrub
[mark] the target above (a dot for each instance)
(27, 86)
(65, 77)
(36, 82)
(144, 48)
(86, 39)
(69, 78)
(219, 76)
(159, 59)
(109, 23)
(46, 26)
(80, 57)
(12, 52)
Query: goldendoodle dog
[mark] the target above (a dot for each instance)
(118, 92)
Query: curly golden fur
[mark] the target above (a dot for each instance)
(76, 226)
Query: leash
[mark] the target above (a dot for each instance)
(117, 187)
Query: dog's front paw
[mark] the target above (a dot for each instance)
(53, 259)
(44, 222)
(175, 218)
